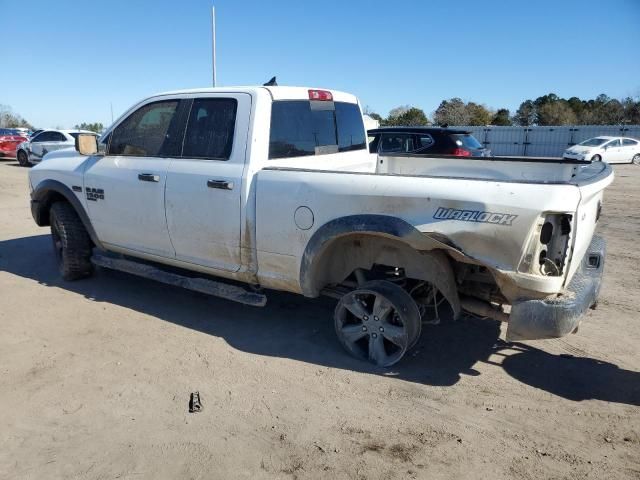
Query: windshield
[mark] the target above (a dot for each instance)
(593, 142)
(467, 140)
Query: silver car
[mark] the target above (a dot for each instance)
(32, 151)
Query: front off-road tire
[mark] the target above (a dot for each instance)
(71, 242)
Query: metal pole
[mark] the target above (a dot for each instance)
(213, 43)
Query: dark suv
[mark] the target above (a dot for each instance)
(425, 140)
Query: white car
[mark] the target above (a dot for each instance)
(32, 151)
(275, 187)
(606, 149)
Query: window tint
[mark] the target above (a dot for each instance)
(47, 137)
(393, 142)
(210, 128)
(297, 130)
(300, 127)
(628, 143)
(149, 131)
(58, 137)
(593, 142)
(351, 135)
(425, 141)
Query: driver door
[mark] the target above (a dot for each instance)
(126, 187)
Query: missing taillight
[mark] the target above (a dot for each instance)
(546, 233)
(550, 246)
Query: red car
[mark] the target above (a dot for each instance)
(10, 138)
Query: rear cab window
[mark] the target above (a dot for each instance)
(308, 128)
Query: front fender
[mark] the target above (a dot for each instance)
(48, 192)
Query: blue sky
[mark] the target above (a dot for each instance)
(66, 62)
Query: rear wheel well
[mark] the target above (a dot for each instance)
(350, 253)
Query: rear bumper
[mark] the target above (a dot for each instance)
(558, 316)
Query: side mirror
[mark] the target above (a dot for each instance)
(86, 144)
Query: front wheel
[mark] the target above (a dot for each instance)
(71, 242)
(596, 158)
(636, 159)
(23, 160)
(379, 322)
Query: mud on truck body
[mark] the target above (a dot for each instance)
(274, 187)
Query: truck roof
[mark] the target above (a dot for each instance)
(277, 92)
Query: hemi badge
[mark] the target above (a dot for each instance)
(76, 188)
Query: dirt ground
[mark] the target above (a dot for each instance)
(95, 378)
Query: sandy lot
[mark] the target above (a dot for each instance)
(95, 379)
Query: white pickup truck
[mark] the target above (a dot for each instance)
(274, 187)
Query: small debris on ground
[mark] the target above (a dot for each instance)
(195, 405)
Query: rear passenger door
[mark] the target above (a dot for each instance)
(204, 187)
(125, 188)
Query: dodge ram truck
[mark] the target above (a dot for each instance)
(231, 191)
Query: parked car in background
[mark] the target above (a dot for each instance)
(10, 139)
(32, 150)
(426, 140)
(606, 149)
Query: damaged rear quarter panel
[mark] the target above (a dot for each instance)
(414, 200)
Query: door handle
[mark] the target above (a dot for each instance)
(148, 177)
(221, 184)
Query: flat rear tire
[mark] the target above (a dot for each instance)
(378, 322)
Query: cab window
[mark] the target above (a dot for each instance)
(210, 129)
(150, 131)
(303, 128)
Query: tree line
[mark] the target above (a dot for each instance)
(8, 119)
(548, 109)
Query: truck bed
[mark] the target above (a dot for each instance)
(440, 197)
(509, 169)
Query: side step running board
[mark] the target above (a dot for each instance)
(202, 285)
